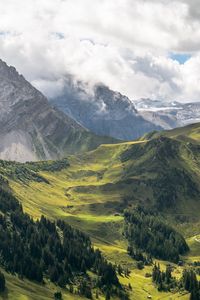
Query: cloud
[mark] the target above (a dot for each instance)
(193, 9)
(125, 44)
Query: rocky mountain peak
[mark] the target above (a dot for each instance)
(113, 100)
(14, 88)
(104, 112)
(30, 129)
(9, 72)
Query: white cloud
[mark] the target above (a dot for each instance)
(125, 44)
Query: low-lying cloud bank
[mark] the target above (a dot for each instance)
(139, 48)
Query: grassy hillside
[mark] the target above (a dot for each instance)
(27, 290)
(90, 192)
(188, 133)
(163, 173)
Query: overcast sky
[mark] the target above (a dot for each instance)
(140, 48)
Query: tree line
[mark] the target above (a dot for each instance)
(54, 250)
(151, 234)
(166, 282)
(191, 284)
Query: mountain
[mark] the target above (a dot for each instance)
(160, 170)
(154, 179)
(135, 201)
(103, 111)
(170, 114)
(106, 112)
(154, 105)
(30, 129)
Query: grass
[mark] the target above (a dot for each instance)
(17, 289)
(142, 287)
(89, 194)
(194, 244)
(190, 132)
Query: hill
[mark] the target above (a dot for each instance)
(45, 250)
(161, 172)
(30, 129)
(190, 133)
(90, 191)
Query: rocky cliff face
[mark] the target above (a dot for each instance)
(104, 112)
(30, 129)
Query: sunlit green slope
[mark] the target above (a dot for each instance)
(162, 172)
(90, 191)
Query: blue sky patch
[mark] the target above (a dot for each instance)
(181, 58)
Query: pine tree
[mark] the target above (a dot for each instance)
(107, 295)
(194, 295)
(120, 270)
(2, 282)
(58, 296)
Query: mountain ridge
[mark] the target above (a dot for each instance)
(30, 129)
(170, 114)
(108, 112)
(90, 191)
(103, 111)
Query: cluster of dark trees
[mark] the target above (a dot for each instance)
(19, 171)
(30, 171)
(122, 271)
(50, 249)
(50, 166)
(191, 284)
(150, 233)
(58, 296)
(163, 279)
(166, 282)
(141, 258)
(166, 192)
(8, 203)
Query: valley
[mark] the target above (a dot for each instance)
(99, 150)
(91, 190)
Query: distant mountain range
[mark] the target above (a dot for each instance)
(154, 105)
(107, 112)
(33, 128)
(169, 114)
(30, 129)
(104, 112)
